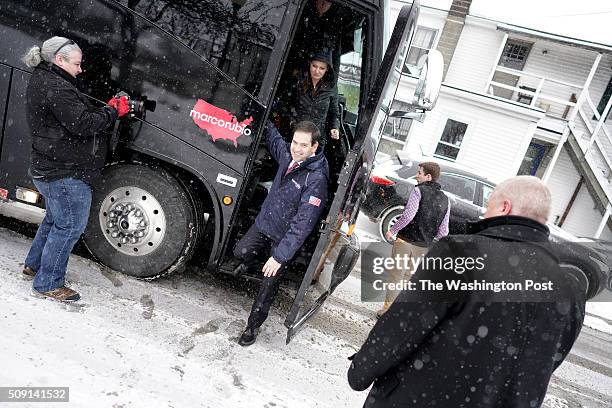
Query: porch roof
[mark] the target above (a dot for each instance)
(536, 34)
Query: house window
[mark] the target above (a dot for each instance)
(450, 142)
(423, 41)
(515, 54)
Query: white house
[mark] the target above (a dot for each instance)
(517, 101)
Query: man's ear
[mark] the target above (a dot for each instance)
(506, 207)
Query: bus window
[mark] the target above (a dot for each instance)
(349, 77)
(237, 36)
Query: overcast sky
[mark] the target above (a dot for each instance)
(589, 20)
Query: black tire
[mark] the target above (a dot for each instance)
(387, 219)
(119, 206)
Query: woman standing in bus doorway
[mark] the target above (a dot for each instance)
(314, 96)
(67, 154)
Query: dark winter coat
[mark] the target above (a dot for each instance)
(295, 202)
(319, 106)
(468, 352)
(432, 209)
(67, 139)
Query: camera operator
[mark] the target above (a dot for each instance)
(68, 136)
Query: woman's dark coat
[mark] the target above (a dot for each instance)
(316, 105)
(67, 132)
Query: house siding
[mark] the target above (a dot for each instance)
(497, 137)
(606, 234)
(584, 218)
(561, 62)
(562, 183)
(474, 57)
(494, 145)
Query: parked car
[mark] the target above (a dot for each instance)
(393, 178)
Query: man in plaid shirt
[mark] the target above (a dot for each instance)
(425, 217)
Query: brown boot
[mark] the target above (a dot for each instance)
(62, 294)
(28, 273)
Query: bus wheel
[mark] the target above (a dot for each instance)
(141, 223)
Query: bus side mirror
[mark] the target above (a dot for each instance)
(431, 67)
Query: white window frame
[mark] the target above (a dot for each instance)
(470, 127)
(434, 42)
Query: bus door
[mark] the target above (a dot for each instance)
(338, 248)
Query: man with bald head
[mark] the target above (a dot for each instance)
(477, 346)
(524, 196)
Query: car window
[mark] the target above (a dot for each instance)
(486, 192)
(406, 172)
(459, 186)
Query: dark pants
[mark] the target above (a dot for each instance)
(254, 247)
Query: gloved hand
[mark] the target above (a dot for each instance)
(121, 104)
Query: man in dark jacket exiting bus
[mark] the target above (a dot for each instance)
(425, 217)
(288, 215)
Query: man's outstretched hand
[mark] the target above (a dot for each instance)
(271, 267)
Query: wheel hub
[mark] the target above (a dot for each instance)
(132, 221)
(127, 223)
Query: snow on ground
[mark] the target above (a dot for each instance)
(171, 343)
(598, 324)
(599, 316)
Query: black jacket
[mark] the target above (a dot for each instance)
(67, 132)
(432, 209)
(474, 350)
(320, 106)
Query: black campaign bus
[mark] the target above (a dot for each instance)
(187, 173)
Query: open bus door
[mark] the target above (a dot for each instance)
(338, 248)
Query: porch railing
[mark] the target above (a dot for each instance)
(537, 91)
(577, 111)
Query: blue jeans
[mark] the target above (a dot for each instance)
(67, 203)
